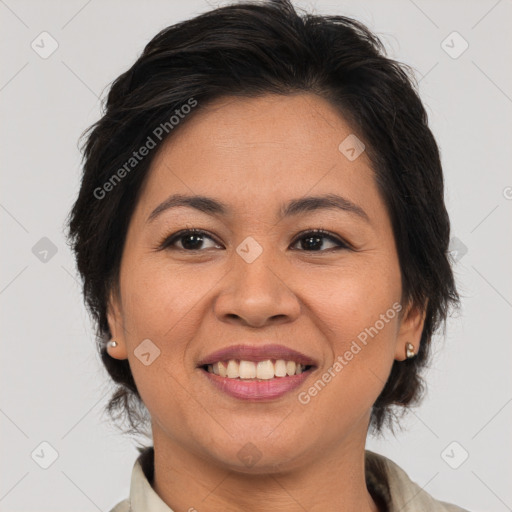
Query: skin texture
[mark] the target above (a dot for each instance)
(255, 154)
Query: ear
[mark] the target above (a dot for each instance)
(116, 325)
(411, 328)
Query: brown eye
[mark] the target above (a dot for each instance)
(190, 240)
(313, 240)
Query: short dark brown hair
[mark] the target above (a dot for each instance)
(247, 50)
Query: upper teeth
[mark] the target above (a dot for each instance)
(267, 369)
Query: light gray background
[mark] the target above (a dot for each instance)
(53, 385)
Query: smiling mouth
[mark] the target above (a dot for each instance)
(244, 370)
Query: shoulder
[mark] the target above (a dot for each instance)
(122, 506)
(404, 494)
(142, 497)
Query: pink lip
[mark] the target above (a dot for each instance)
(257, 391)
(257, 353)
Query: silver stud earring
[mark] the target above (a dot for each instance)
(409, 350)
(112, 343)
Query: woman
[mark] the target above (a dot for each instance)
(263, 240)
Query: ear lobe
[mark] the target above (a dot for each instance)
(411, 329)
(116, 326)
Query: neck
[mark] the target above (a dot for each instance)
(332, 481)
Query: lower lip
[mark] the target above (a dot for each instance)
(257, 391)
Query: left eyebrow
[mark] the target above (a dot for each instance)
(215, 207)
(326, 202)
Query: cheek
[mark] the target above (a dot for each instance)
(159, 305)
(159, 299)
(352, 298)
(359, 317)
(361, 327)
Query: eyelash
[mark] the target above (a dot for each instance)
(168, 241)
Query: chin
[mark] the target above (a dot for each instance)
(264, 454)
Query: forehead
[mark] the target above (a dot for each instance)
(260, 151)
(299, 125)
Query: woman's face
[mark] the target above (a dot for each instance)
(256, 277)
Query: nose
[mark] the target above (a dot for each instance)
(258, 293)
